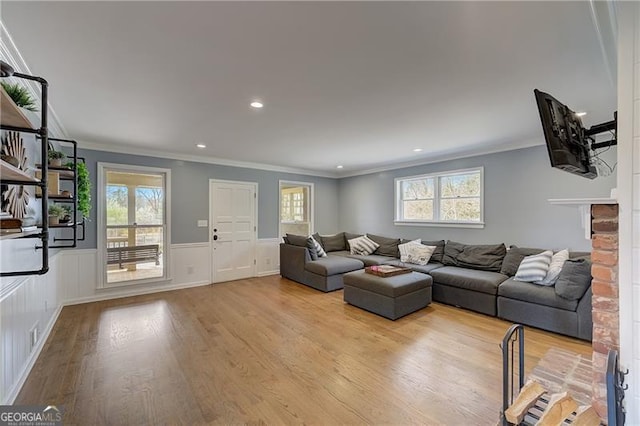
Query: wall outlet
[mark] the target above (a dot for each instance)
(267, 261)
(33, 337)
(203, 223)
(190, 269)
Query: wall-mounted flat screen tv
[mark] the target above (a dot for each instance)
(567, 143)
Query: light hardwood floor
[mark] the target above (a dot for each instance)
(268, 350)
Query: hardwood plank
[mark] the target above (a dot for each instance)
(268, 350)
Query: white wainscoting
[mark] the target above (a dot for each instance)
(268, 256)
(30, 303)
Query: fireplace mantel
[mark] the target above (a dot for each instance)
(584, 207)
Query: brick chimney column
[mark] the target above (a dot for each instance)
(606, 330)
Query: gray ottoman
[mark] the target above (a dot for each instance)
(391, 297)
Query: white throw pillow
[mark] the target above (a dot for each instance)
(319, 249)
(420, 254)
(405, 247)
(534, 268)
(557, 261)
(363, 245)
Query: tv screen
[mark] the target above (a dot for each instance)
(567, 143)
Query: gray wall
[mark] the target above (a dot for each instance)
(517, 185)
(190, 195)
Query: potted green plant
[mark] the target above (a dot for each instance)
(20, 95)
(55, 158)
(84, 188)
(55, 213)
(66, 217)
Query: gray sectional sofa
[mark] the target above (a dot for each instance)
(475, 277)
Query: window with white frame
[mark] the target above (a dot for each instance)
(449, 198)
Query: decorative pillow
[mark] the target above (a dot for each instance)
(484, 257)
(333, 242)
(513, 258)
(534, 268)
(349, 236)
(318, 248)
(363, 246)
(318, 238)
(557, 261)
(420, 254)
(436, 257)
(388, 246)
(574, 279)
(405, 248)
(311, 248)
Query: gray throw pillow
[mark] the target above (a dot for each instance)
(514, 257)
(484, 257)
(388, 246)
(574, 279)
(311, 246)
(438, 253)
(333, 242)
(297, 240)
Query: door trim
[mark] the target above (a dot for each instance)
(312, 208)
(210, 229)
(102, 229)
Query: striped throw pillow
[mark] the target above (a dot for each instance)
(406, 248)
(363, 246)
(534, 268)
(557, 262)
(319, 250)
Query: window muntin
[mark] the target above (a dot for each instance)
(449, 198)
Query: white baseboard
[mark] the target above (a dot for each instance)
(132, 292)
(15, 390)
(267, 273)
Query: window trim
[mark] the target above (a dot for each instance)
(311, 205)
(397, 220)
(102, 222)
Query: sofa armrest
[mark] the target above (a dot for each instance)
(585, 319)
(292, 261)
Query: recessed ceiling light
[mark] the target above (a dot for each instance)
(417, 150)
(581, 114)
(339, 167)
(256, 104)
(201, 145)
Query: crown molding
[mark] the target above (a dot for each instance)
(456, 155)
(10, 54)
(122, 149)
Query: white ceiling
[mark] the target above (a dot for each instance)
(359, 84)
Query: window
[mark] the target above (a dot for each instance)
(133, 224)
(449, 198)
(296, 208)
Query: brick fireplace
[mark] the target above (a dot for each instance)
(606, 334)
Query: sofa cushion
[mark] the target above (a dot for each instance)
(425, 269)
(484, 257)
(533, 293)
(470, 279)
(535, 267)
(333, 242)
(318, 238)
(438, 253)
(297, 240)
(333, 265)
(387, 246)
(513, 258)
(373, 259)
(574, 279)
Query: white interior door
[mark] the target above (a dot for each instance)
(232, 230)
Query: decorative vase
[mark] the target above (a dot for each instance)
(54, 220)
(55, 162)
